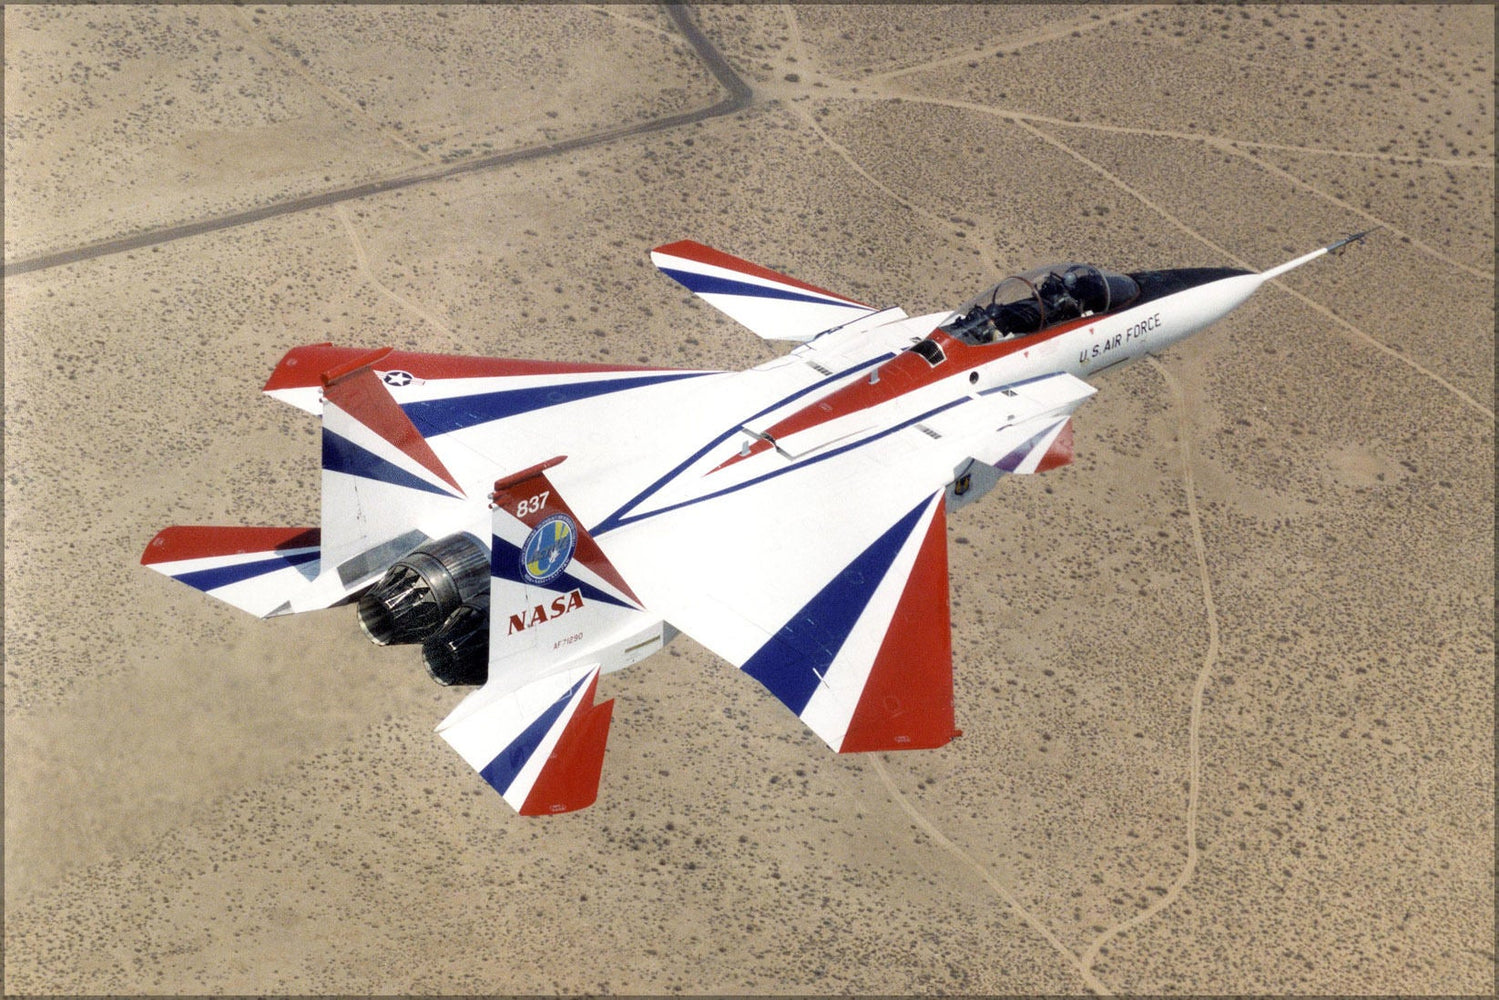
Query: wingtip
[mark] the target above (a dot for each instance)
(679, 248)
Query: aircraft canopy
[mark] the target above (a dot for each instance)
(1041, 297)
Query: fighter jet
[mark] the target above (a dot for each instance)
(533, 525)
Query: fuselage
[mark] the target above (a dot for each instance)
(791, 518)
(1169, 306)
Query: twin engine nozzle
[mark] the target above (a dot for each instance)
(437, 595)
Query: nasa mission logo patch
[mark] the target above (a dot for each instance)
(549, 548)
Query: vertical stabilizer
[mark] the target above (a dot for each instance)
(552, 589)
(560, 615)
(380, 476)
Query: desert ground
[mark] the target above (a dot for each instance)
(1227, 681)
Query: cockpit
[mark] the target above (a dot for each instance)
(1039, 298)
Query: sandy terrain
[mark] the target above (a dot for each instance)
(1227, 681)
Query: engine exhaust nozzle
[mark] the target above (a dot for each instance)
(459, 653)
(415, 598)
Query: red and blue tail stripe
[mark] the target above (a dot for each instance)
(253, 569)
(551, 755)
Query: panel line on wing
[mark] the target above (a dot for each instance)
(619, 521)
(621, 517)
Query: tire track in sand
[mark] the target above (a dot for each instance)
(363, 261)
(926, 826)
(1050, 33)
(1209, 661)
(737, 96)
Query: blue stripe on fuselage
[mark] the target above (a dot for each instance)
(621, 516)
(617, 520)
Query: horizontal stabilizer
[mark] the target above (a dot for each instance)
(259, 570)
(541, 746)
(773, 305)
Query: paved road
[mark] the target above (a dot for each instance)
(738, 97)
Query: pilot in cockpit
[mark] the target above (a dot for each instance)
(1026, 303)
(976, 326)
(1058, 298)
(1091, 289)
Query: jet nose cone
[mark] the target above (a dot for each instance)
(1159, 284)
